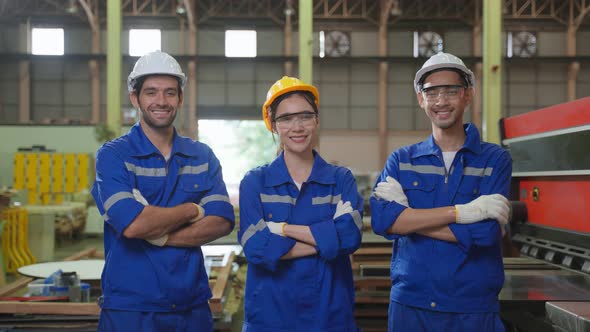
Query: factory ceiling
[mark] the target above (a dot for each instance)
(532, 14)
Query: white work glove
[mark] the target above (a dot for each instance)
(342, 208)
(276, 227)
(199, 216)
(493, 206)
(161, 241)
(391, 190)
(139, 197)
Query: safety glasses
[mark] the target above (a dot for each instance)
(306, 118)
(432, 94)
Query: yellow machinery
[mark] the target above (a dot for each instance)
(44, 177)
(2, 263)
(15, 246)
(47, 176)
(31, 183)
(58, 177)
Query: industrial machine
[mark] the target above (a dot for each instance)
(548, 287)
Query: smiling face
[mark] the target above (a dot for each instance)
(158, 101)
(296, 123)
(444, 99)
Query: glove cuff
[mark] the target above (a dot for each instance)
(200, 215)
(160, 242)
(458, 214)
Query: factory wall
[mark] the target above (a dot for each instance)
(360, 150)
(235, 88)
(361, 153)
(77, 139)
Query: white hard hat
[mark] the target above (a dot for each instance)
(443, 60)
(154, 63)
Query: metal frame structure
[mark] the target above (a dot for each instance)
(559, 12)
(371, 15)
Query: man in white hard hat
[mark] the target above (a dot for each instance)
(443, 202)
(162, 196)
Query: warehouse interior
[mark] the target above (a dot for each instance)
(63, 79)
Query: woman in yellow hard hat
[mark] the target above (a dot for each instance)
(300, 218)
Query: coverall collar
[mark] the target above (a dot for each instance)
(278, 173)
(472, 143)
(142, 146)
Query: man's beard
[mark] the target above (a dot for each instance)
(153, 124)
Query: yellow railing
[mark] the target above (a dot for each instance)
(15, 244)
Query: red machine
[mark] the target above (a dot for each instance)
(550, 149)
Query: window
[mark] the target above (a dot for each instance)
(142, 41)
(240, 43)
(239, 146)
(48, 41)
(322, 44)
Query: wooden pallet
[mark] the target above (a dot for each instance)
(372, 283)
(219, 281)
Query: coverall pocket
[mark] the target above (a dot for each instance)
(276, 213)
(419, 190)
(195, 187)
(468, 190)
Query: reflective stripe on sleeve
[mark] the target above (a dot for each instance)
(214, 198)
(358, 220)
(115, 198)
(251, 230)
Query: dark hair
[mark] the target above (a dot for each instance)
(139, 83)
(461, 74)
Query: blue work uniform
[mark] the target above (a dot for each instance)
(436, 275)
(313, 293)
(137, 275)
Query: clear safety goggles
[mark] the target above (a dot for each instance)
(432, 94)
(306, 118)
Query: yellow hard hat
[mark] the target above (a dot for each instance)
(282, 86)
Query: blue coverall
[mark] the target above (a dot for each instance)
(313, 293)
(140, 280)
(444, 278)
